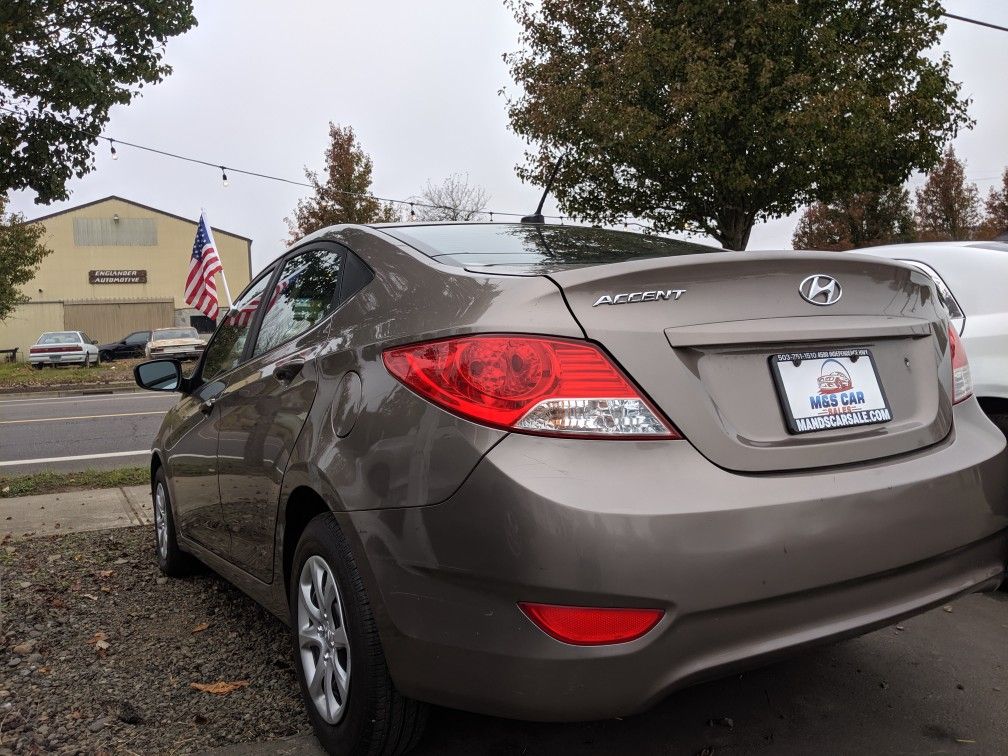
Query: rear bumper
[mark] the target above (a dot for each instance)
(58, 359)
(746, 567)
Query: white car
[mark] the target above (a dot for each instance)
(181, 343)
(971, 278)
(63, 348)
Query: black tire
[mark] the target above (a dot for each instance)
(376, 718)
(172, 561)
(38, 365)
(1001, 421)
(105, 356)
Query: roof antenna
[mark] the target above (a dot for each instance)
(537, 216)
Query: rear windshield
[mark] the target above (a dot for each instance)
(63, 337)
(175, 333)
(530, 244)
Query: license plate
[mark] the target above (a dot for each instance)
(823, 390)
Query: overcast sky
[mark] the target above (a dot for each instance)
(256, 83)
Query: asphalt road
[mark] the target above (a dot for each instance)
(75, 433)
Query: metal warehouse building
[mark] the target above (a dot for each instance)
(117, 266)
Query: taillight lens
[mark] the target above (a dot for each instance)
(962, 381)
(591, 626)
(529, 383)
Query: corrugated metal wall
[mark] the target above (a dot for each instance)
(107, 232)
(111, 320)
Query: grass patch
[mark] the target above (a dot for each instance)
(22, 375)
(55, 482)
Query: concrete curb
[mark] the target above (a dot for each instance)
(69, 389)
(76, 511)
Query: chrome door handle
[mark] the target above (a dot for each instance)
(207, 405)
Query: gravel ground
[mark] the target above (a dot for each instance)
(99, 653)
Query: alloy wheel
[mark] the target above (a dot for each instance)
(322, 639)
(161, 520)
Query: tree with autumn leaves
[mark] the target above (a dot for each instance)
(947, 207)
(342, 194)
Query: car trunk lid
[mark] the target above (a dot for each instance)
(700, 335)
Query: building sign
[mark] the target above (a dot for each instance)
(117, 276)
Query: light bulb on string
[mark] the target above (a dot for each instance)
(223, 175)
(112, 149)
(412, 215)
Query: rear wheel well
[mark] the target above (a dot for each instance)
(303, 506)
(155, 465)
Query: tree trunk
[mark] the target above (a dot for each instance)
(734, 227)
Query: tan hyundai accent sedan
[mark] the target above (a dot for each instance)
(554, 472)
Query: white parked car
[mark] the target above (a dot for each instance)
(971, 277)
(179, 343)
(62, 348)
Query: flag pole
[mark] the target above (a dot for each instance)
(213, 242)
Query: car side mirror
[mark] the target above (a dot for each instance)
(94, 341)
(160, 375)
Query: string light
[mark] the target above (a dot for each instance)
(224, 178)
(412, 215)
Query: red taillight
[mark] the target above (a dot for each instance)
(529, 383)
(962, 381)
(592, 626)
(53, 349)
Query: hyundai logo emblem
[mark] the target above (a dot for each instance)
(820, 290)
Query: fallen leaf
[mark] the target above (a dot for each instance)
(105, 573)
(947, 609)
(201, 627)
(900, 628)
(965, 741)
(219, 688)
(75, 586)
(89, 596)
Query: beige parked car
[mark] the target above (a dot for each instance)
(178, 343)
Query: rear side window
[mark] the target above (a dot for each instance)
(63, 337)
(304, 294)
(533, 244)
(225, 348)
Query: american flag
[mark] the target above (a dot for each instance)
(242, 315)
(201, 289)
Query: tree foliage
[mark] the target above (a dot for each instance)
(21, 253)
(343, 193)
(995, 220)
(454, 199)
(707, 116)
(865, 219)
(948, 207)
(63, 65)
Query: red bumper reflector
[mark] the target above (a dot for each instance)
(591, 626)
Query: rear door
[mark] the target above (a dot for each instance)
(262, 409)
(133, 345)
